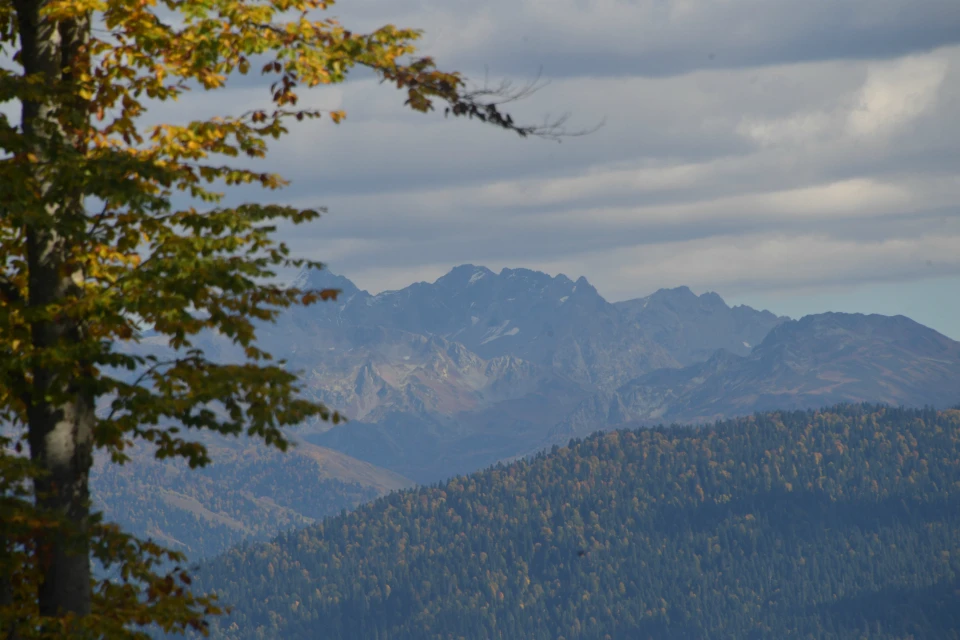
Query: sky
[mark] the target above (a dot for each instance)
(795, 156)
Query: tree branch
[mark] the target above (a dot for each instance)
(484, 102)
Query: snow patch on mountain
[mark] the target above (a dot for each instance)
(496, 332)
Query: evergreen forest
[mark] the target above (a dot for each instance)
(837, 523)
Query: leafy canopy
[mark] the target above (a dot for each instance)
(103, 186)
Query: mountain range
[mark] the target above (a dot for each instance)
(444, 378)
(818, 360)
(448, 377)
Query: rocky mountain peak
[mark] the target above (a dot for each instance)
(832, 330)
(584, 290)
(324, 279)
(692, 327)
(465, 275)
(683, 300)
(477, 365)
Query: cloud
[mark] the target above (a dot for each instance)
(728, 179)
(750, 145)
(795, 117)
(896, 94)
(764, 262)
(594, 38)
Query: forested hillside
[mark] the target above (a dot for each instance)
(840, 523)
(436, 382)
(247, 493)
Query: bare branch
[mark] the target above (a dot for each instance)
(98, 220)
(484, 103)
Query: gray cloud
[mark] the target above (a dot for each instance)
(597, 38)
(751, 146)
(852, 163)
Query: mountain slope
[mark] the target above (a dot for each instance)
(247, 493)
(841, 523)
(693, 327)
(414, 368)
(448, 377)
(551, 321)
(820, 359)
(429, 408)
(445, 378)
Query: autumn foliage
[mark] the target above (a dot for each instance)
(108, 226)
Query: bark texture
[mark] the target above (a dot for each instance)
(6, 594)
(60, 413)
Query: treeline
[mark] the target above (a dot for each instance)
(840, 523)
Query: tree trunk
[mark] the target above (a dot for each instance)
(60, 415)
(6, 589)
(8, 629)
(60, 439)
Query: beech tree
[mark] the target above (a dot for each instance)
(94, 248)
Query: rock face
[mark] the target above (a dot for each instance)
(447, 377)
(550, 321)
(816, 361)
(476, 367)
(693, 327)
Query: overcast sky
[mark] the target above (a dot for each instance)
(798, 156)
(801, 156)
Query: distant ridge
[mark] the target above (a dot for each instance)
(823, 358)
(841, 522)
(248, 493)
(444, 378)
